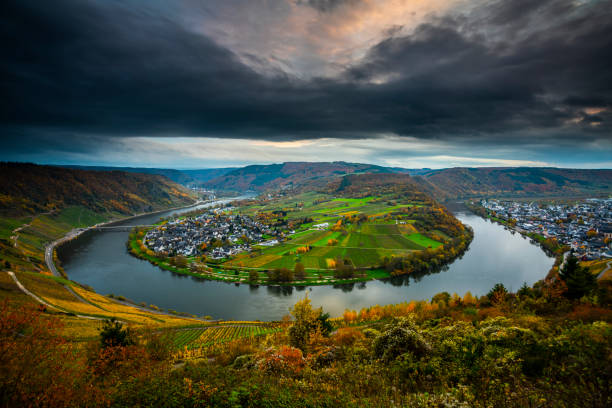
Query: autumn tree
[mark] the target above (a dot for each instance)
(469, 299)
(344, 268)
(442, 297)
(37, 365)
(455, 300)
(299, 271)
(306, 321)
(281, 275)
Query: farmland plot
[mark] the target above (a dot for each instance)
(208, 336)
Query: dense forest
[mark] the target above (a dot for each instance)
(29, 188)
(363, 185)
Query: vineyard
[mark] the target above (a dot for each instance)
(208, 336)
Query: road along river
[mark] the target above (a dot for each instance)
(100, 259)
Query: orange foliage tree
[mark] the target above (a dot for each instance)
(37, 366)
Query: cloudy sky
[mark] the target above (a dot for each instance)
(411, 83)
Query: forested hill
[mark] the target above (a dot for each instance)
(458, 182)
(289, 175)
(28, 188)
(462, 182)
(185, 177)
(363, 185)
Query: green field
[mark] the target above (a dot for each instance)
(328, 235)
(385, 233)
(423, 241)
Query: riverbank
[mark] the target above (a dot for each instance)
(50, 249)
(75, 233)
(238, 276)
(318, 277)
(50, 256)
(102, 262)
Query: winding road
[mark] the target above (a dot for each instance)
(607, 268)
(49, 249)
(43, 302)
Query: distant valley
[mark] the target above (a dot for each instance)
(442, 184)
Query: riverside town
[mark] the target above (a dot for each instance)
(222, 233)
(586, 226)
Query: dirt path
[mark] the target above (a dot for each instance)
(606, 269)
(17, 230)
(41, 301)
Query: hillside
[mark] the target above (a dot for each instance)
(462, 182)
(533, 348)
(29, 188)
(288, 175)
(444, 184)
(184, 177)
(361, 185)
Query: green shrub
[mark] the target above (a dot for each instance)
(399, 338)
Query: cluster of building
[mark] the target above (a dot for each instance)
(222, 233)
(586, 227)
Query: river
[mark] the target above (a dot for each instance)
(100, 259)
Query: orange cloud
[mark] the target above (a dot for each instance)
(307, 42)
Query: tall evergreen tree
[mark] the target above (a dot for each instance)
(578, 279)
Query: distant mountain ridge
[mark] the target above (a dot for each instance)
(444, 184)
(463, 182)
(290, 175)
(29, 188)
(202, 177)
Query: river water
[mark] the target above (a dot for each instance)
(100, 259)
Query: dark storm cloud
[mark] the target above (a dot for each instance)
(325, 6)
(73, 68)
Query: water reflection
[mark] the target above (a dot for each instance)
(100, 259)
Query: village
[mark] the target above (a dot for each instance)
(586, 227)
(217, 232)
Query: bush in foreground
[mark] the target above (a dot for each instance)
(535, 349)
